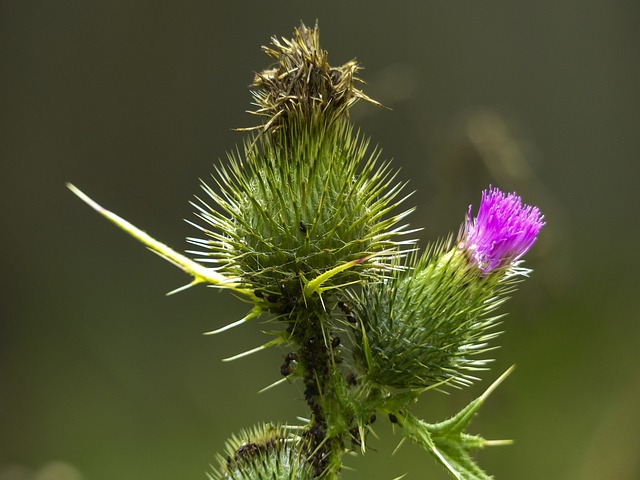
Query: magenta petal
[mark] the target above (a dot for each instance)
(503, 230)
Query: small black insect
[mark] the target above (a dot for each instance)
(317, 433)
(310, 393)
(355, 437)
(248, 449)
(303, 227)
(287, 368)
(245, 452)
(350, 317)
(393, 418)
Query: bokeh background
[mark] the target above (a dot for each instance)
(103, 377)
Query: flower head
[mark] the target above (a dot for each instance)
(503, 230)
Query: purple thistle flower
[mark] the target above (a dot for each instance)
(503, 230)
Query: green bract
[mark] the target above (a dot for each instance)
(294, 205)
(265, 452)
(424, 325)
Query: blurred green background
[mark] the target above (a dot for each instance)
(103, 377)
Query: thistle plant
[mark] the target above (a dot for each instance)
(306, 224)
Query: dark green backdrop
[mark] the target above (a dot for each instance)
(103, 377)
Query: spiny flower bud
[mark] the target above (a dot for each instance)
(305, 196)
(503, 231)
(265, 452)
(426, 324)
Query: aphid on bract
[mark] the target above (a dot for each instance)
(310, 392)
(286, 368)
(349, 316)
(248, 449)
(245, 452)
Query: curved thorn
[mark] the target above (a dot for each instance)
(199, 272)
(245, 354)
(255, 311)
(184, 287)
(274, 384)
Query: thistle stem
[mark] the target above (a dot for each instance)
(317, 360)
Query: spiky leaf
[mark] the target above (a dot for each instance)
(448, 442)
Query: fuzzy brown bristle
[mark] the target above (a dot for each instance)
(302, 82)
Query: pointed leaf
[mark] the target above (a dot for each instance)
(448, 443)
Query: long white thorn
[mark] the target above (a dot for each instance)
(452, 470)
(400, 477)
(182, 288)
(273, 385)
(255, 311)
(395, 450)
(247, 353)
(228, 327)
(497, 382)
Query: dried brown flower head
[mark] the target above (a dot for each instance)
(302, 82)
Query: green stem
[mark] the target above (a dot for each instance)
(317, 362)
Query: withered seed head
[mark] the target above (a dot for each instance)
(302, 83)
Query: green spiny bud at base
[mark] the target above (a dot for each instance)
(422, 326)
(265, 452)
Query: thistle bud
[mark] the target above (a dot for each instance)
(305, 195)
(427, 324)
(266, 452)
(423, 325)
